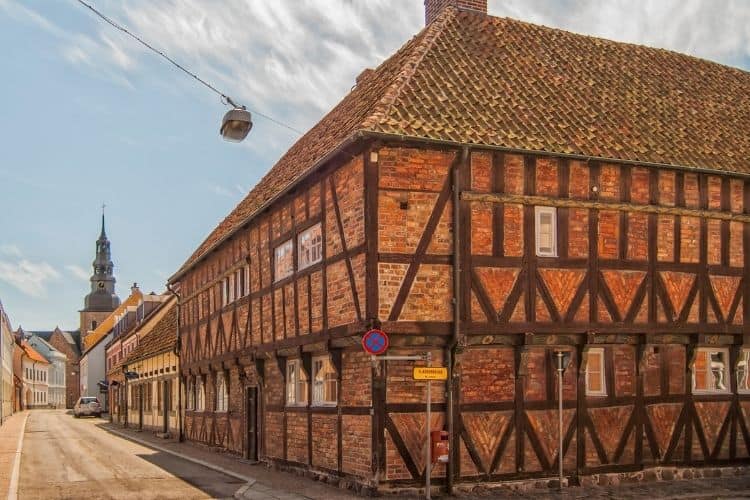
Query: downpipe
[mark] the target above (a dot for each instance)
(450, 350)
(180, 420)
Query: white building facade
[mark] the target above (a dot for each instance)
(35, 371)
(56, 371)
(7, 344)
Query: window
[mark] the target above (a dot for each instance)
(325, 385)
(743, 371)
(224, 292)
(310, 247)
(710, 370)
(296, 383)
(283, 265)
(246, 280)
(222, 394)
(595, 382)
(93, 325)
(190, 395)
(546, 231)
(200, 394)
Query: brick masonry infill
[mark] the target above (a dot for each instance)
(653, 474)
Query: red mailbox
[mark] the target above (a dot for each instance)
(440, 447)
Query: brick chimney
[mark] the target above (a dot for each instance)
(432, 8)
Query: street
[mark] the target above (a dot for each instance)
(64, 457)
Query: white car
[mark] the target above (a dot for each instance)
(87, 405)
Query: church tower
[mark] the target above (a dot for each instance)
(102, 299)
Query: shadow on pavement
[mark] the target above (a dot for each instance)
(214, 484)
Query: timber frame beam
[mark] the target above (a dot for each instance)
(601, 205)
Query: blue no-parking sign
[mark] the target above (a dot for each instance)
(375, 342)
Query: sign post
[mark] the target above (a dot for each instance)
(428, 458)
(372, 342)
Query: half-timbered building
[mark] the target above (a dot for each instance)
(494, 192)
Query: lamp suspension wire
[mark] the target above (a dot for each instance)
(225, 99)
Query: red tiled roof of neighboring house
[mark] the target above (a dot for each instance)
(470, 78)
(163, 337)
(101, 331)
(32, 353)
(153, 323)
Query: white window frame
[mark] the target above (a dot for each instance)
(306, 244)
(296, 387)
(222, 394)
(278, 252)
(552, 212)
(319, 386)
(725, 375)
(232, 288)
(596, 351)
(200, 394)
(224, 292)
(743, 362)
(247, 279)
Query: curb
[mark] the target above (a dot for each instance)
(247, 479)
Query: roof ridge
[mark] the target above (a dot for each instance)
(429, 34)
(602, 39)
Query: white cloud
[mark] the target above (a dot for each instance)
(292, 60)
(78, 272)
(718, 30)
(103, 56)
(10, 249)
(29, 277)
(222, 191)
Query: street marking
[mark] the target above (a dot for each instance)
(13, 489)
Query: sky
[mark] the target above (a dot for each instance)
(90, 117)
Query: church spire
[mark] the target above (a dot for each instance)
(103, 234)
(102, 296)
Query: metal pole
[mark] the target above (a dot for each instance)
(428, 460)
(560, 413)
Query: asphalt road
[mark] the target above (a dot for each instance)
(64, 457)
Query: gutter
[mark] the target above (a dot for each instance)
(178, 343)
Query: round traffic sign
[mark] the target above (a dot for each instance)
(375, 342)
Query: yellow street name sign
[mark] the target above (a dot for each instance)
(430, 373)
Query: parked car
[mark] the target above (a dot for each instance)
(87, 405)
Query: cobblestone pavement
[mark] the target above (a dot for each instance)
(269, 484)
(71, 458)
(272, 484)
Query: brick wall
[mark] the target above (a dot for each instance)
(296, 437)
(487, 374)
(434, 7)
(324, 445)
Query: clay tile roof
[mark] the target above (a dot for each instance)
(101, 331)
(32, 353)
(163, 337)
(475, 79)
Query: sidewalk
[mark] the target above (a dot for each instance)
(264, 483)
(10, 432)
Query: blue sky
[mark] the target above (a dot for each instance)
(90, 117)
